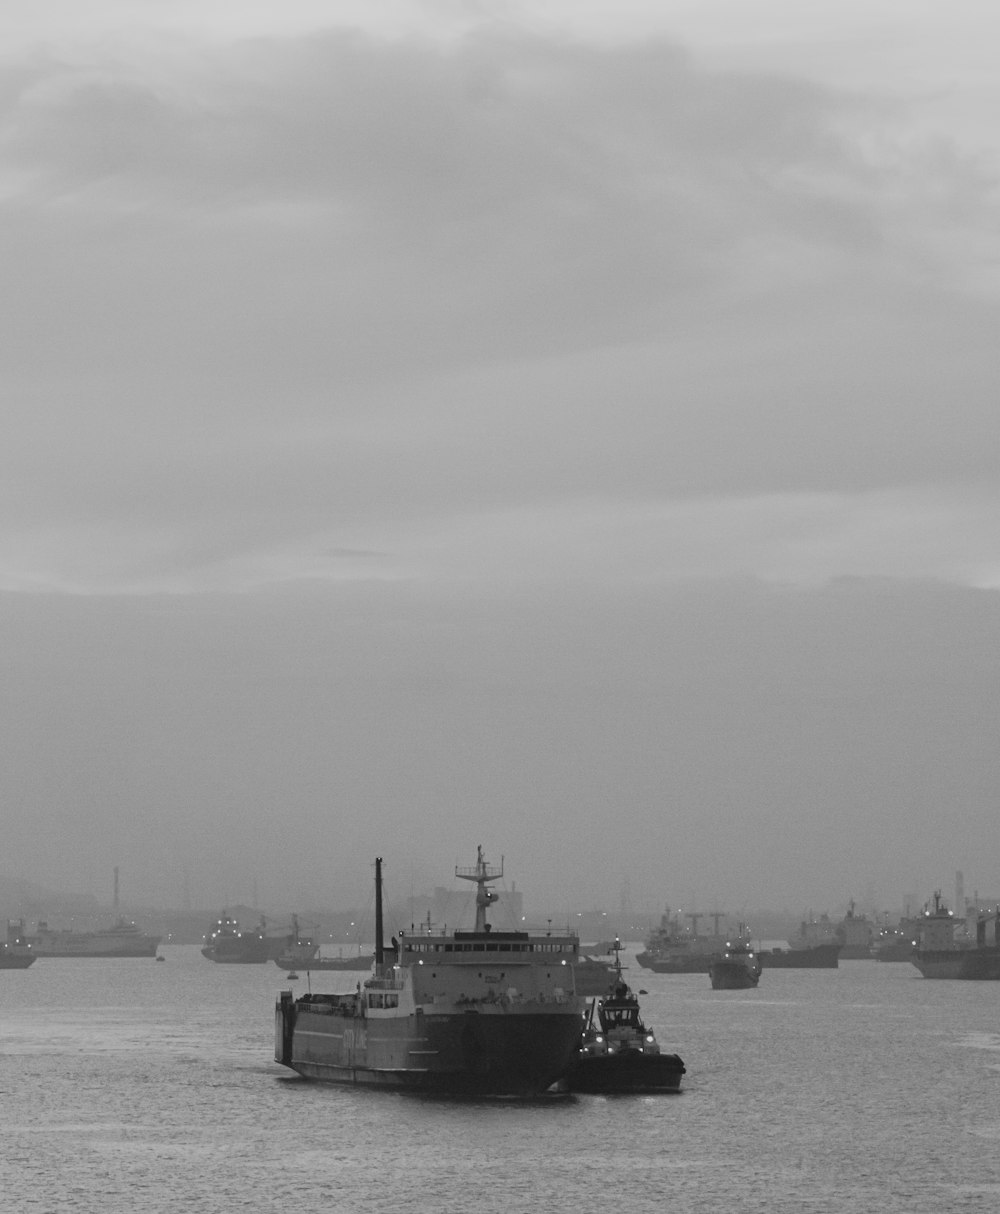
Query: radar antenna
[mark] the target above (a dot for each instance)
(482, 874)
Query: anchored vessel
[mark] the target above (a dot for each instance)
(481, 1013)
(940, 955)
(816, 957)
(15, 952)
(227, 944)
(617, 1052)
(671, 949)
(302, 953)
(122, 939)
(738, 967)
(353, 961)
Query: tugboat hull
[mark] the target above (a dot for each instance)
(628, 1072)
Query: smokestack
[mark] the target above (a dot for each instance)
(959, 895)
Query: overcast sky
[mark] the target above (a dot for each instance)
(438, 424)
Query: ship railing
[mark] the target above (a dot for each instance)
(384, 983)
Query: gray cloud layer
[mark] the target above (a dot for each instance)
(289, 284)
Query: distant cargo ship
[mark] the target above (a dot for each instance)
(123, 939)
(15, 952)
(854, 934)
(227, 944)
(940, 955)
(816, 957)
(672, 950)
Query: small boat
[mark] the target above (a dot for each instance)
(617, 1051)
(738, 967)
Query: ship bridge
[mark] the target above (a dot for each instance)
(477, 946)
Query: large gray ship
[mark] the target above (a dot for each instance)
(482, 1012)
(939, 954)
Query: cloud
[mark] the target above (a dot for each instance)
(275, 294)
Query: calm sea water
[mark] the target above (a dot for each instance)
(136, 1086)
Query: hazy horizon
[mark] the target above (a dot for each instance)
(733, 744)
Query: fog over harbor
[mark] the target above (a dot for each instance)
(565, 429)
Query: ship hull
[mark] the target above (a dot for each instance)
(820, 956)
(626, 1072)
(674, 965)
(464, 1053)
(896, 952)
(16, 961)
(96, 952)
(141, 946)
(241, 957)
(313, 964)
(248, 950)
(973, 964)
(733, 976)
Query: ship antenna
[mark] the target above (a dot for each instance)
(379, 946)
(482, 874)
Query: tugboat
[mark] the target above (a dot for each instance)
(738, 967)
(617, 1052)
(481, 1013)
